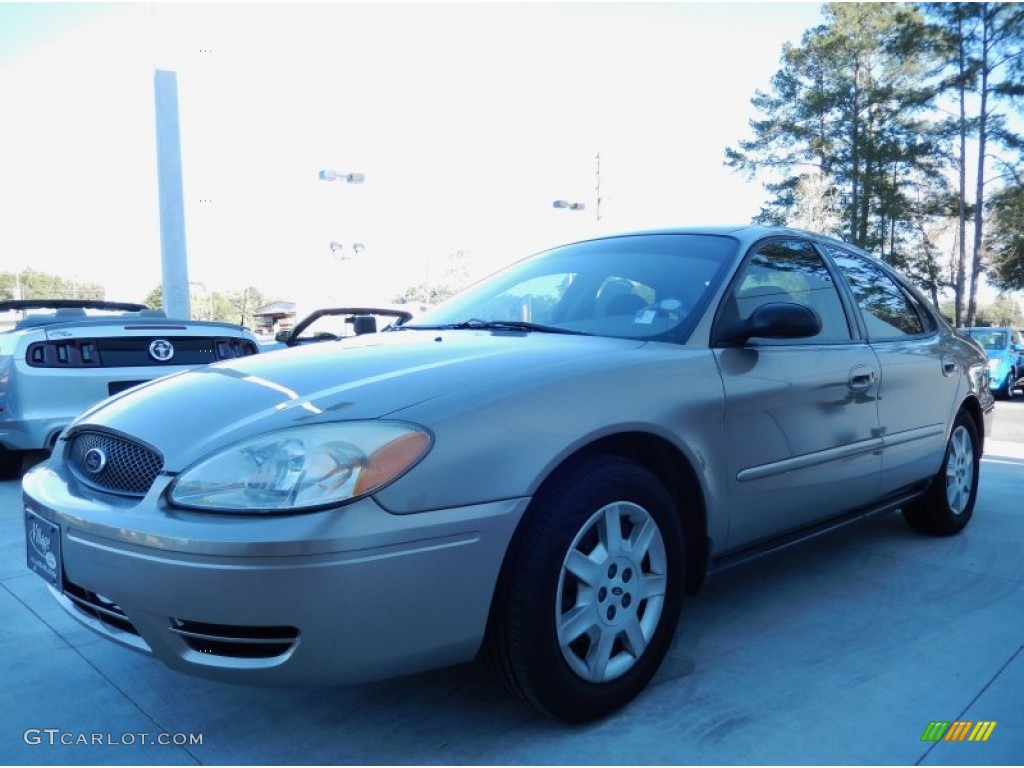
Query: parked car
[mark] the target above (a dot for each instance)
(535, 470)
(1005, 361)
(54, 364)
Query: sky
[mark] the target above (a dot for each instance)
(467, 120)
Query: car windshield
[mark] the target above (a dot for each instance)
(989, 339)
(636, 287)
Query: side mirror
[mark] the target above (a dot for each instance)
(283, 336)
(776, 320)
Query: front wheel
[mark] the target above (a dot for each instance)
(591, 590)
(947, 505)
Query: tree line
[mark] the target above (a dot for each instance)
(236, 307)
(898, 127)
(231, 307)
(33, 284)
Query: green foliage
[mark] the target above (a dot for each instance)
(1004, 311)
(1005, 241)
(845, 106)
(242, 304)
(431, 292)
(424, 293)
(856, 135)
(155, 298)
(31, 284)
(235, 307)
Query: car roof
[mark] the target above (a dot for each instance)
(746, 233)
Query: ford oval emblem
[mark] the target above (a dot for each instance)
(161, 349)
(95, 460)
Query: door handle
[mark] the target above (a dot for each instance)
(949, 366)
(861, 378)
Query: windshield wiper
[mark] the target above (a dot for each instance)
(475, 324)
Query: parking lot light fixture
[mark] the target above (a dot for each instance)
(348, 178)
(344, 253)
(571, 205)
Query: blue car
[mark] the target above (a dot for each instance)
(1005, 364)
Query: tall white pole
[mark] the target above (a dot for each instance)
(173, 252)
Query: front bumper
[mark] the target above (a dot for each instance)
(999, 376)
(338, 596)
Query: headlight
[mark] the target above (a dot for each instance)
(302, 468)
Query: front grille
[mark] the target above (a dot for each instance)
(235, 641)
(99, 607)
(129, 468)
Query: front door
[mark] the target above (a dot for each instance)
(800, 415)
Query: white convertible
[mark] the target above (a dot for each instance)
(56, 363)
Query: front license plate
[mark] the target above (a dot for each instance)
(42, 539)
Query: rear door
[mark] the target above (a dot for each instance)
(920, 374)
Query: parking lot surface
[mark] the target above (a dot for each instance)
(839, 651)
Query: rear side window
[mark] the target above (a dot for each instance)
(889, 312)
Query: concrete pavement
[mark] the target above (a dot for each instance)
(840, 651)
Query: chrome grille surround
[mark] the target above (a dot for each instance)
(130, 467)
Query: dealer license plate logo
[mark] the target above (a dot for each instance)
(43, 545)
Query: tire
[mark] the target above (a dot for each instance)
(585, 611)
(10, 464)
(948, 504)
(1006, 392)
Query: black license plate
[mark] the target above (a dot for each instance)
(113, 387)
(43, 544)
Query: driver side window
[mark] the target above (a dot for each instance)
(789, 271)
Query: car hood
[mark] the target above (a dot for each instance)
(188, 415)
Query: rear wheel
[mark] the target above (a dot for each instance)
(591, 590)
(10, 464)
(947, 505)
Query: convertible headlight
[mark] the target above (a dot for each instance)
(302, 468)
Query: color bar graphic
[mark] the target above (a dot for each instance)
(958, 730)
